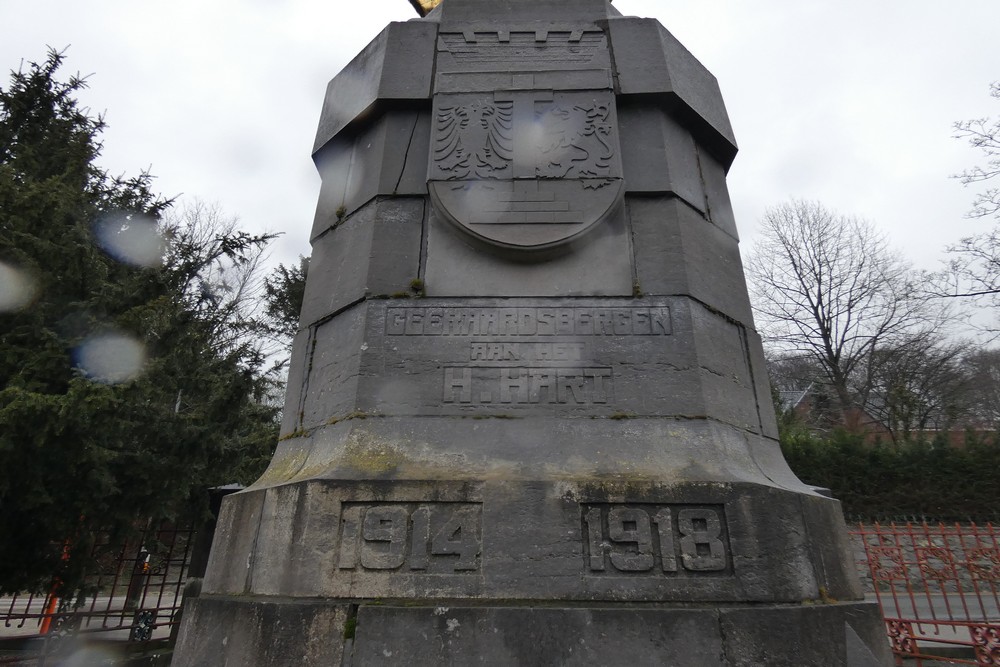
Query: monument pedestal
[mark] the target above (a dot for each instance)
(528, 420)
(384, 633)
(520, 572)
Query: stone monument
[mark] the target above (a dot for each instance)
(528, 421)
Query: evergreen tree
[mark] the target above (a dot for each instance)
(129, 382)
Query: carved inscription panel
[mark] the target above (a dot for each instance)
(509, 357)
(662, 540)
(416, 538)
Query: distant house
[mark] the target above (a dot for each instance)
(812, 406)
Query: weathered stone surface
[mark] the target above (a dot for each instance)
(535, 637)
(661, 155)
(678, 251)
(565, 636)
(528, 420)
(600, 539)
(596, 266)
(650, 61)
(374, 252)
(809, 635)
(489, 12)
(822, 635)
(224, 631)
(386, 157)
(397, 66)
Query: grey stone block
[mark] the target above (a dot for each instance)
(373, 252)
(534, 637)
(651, 62)
(650, 357)
(302, 350)
(475, 11)
(597, 264)
(332, 383)
(720, 208)
(387, 533)
(831, 549)
(762, 384)
(296, 540)
(396, 66)
(677, 251)
(388, 157)
(260, 632)
(816, 636)
(231, 558)
(659, 156)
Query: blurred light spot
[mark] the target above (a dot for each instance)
(17, 288)
(111, 357)
(92, 656)
(133, 239)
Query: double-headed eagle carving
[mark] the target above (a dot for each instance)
(477, 140)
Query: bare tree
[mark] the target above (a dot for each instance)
(829, 286)
(973, 272)
(984, 367)
(983, 134)
(922, 385)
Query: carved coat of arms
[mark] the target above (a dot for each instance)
(522, 165)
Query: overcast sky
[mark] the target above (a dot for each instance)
(849, 102)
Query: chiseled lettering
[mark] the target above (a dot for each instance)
(458, 322)
(509, 318)
(513, 386)
(489, 322)
(433, 324)
(527, 323)
(426, 537)
(546, 319)
(629, 527)
(600, 393)
(622, 321)
(349, 527)
(605, 323)
(542, 380)
(637, 537)
(565, 322)
(575, 321)
(383, 533)
(570, 386)
(661, 321)
(395, 321)
(489, 351)
(414, 322)
(702, 549)
(458, 381)
(640, 322)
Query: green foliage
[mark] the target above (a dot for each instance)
(285, 290)
(916, 478)
(80, 452)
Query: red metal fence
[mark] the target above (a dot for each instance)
(134, 595)
(937, 586)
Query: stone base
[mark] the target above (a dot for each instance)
(241, 631)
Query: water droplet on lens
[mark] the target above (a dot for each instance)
(111, 357)
(17, 288)
(133, 239)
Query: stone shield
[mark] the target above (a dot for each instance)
(524, 166)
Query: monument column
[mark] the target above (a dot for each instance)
(528, 420)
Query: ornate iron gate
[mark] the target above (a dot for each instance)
(134, 595)
(937, 586)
